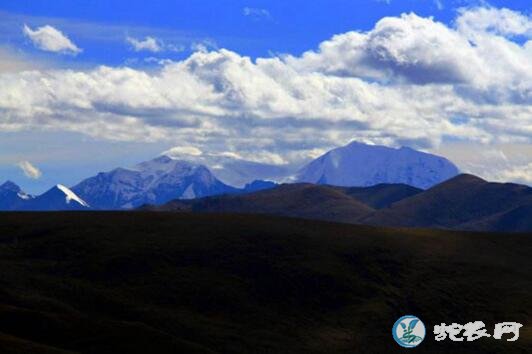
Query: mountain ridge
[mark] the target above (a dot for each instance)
(460, 200)
(464, 202)
(58, 197)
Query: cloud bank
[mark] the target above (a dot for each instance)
(408, 81)
(50, 39)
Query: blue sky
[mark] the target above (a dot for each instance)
(67, 139)
(271, 26)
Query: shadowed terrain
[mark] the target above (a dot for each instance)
(141, 282)
(296, 200)
(465, 202)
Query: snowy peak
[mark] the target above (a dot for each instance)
(10, 186)
(164, 164)
(12, 197)
(358, 164)
(151, 182)
(57, 198)
(71, 196)
(10, 190)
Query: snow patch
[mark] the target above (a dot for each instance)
(189, 193)
(71, 196)
(23, 196)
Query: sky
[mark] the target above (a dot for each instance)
(93, 85)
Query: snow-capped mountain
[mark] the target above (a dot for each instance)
(12, 197)
(58, 197)
(358, 164)
(152, 182)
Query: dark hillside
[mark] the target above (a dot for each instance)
(382, 195)
(142, 282)
(308, 201)
(463, 201)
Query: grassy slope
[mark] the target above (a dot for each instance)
(294, 200)
(382, 195)
(165, 282)
(462, 200)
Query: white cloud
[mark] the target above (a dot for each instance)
(422, 51)
(404, 82)
(256, 13)
(12, 61)
(29, 170)
(496, 162)
(182, 151)
(522, 173)
(204, 45)
(149, 44)
(50, 39)
(503, 22)
(152, 44)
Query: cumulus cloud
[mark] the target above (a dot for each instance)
(420, 50)
(152, 44)
(503, 22)
(404, 82)
(29, 170)
(50, 39)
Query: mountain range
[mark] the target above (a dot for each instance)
(357, 183)
(464, 202)
(164, 178)
(155, 182)
(59, 197)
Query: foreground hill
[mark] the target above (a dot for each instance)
(187, 283)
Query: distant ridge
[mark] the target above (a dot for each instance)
(59, 197)
(382, 195)
(296, 200)
(465, 202)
